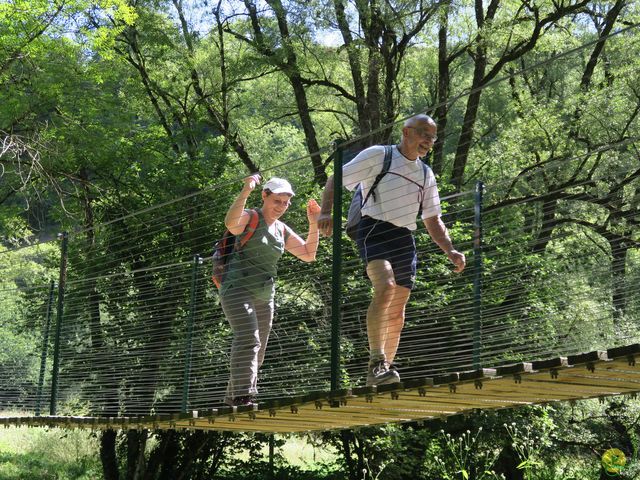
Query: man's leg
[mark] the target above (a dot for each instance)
(395, 321)
(381, 275)
(403, 263)
(378, 321)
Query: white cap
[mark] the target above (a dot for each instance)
(278, 185)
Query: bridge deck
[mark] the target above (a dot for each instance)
(588, 375)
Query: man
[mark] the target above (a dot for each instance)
(385, 234)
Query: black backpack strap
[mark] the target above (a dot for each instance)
(386, 165)
(425, 170)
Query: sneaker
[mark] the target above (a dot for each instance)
(393, 367)
(380, 373)
(243, 401)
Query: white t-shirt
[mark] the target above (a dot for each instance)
(399, 193)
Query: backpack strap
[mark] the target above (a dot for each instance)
(386, 165)
(254, 220)
(425, 170)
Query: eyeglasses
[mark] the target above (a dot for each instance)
(282, 203)
(424, 135)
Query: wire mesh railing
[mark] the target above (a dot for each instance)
(139, 328)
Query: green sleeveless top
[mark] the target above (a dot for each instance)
(254, 267)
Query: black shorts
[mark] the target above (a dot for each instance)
(380, 240)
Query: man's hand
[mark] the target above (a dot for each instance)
(458, 259)
(325, 224)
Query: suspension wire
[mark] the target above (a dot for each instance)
(205, 236)
(271, 383)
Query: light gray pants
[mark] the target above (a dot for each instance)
(250, 320)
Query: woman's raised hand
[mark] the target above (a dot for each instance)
(313, 211)
(251, 182)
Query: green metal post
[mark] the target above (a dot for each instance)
(62, 281)
(336, 297)
(477, 276)
(45, 345)
(188, 349)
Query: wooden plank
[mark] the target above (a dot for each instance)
(585, 375)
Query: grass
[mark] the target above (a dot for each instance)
(300, 451)
(48, 454)
(303, 452)
(57, 454)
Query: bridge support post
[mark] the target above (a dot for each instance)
(188, 347)
(45, 345)
(62, 282)
(477, 276)
(336, 280)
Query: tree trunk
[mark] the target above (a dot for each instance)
(443, 91)
(610, 20)
(218, 120)
(618, 278)
(372, 31)
(105, 401)
(158, 454)
(108, 455)
(507, 464)
(354, 65)
(136, 444)
(346, 436)
(468, 124)
(547, 225)
(93, 299)
(288, 64)
(169, 466)
(481, 79)
(319, 174)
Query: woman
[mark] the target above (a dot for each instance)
(248, 288)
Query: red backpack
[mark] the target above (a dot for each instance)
(224, 248)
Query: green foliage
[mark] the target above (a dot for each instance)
(528, 446)
(465, 457)
(48, 454)
(19, 359)
(24, 298)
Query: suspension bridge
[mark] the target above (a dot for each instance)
(131, 334)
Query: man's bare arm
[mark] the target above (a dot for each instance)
(440, 235)
(325, 220)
